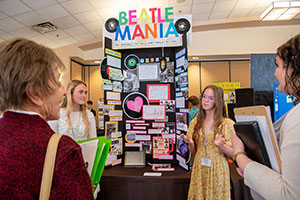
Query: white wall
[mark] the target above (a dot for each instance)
(215, 42)
(241, 40)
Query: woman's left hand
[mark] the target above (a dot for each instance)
(220, 140)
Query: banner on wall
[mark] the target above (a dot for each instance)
(153, 27)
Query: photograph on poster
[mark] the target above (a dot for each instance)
(170, 105)
(116, 96)
(169, 128)
(146, 147)
(157, 92)
(115, 74)
(113, 61)
(131, 81)
(110, 127)
(116, 146)
(181, 80)
(154, 112)
(148, 72)
(167, 76)
(180, 102)
(117, 86)
(107, 108)
(160, 146)
(181, 118)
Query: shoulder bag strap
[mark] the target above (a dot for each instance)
(49, 167)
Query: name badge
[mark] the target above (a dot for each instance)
(206, 162)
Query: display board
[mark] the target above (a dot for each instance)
(146, 89)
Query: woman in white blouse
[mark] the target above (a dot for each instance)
(75, 119)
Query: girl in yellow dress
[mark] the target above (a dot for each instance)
(209, 139)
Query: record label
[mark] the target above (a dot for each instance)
(131, 62)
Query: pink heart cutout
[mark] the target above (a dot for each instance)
(135, 105)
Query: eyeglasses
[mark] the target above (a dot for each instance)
(211, 98)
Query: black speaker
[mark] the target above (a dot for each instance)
(182, 25)
(230, 107)
(244, 97)
(111, 25)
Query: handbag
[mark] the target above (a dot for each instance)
(49, 166)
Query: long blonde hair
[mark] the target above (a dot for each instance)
(219, 114)
(68, 104)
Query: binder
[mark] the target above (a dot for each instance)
(263, 118)
(255, 148)
(103, 147)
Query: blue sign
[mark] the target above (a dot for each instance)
(282, 103)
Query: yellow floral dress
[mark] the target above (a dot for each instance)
(210, 183)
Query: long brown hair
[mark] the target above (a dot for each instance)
(68, 104)
(219, 114)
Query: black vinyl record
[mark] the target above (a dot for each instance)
(182, 25)
(131, 62)
(104, 68)
(133, 105)
(111, 25)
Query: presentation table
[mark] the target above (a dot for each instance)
(119, 183)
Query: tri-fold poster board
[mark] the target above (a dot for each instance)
(261, 115)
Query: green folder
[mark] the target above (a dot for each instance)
(100, 159)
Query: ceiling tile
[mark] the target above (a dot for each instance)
(185, 3)
(77, 6)
(97, 33)
(9, 24)
(238, 13)
(200, 17)
(34, 4)
(219, 15)
(256, 12)
(30, 18)
(203, 1)
(66, 41)
(223, 6)
(182, 10)
(242, 4)
(2, 15)
(76, 30)
(65, 22)
(6, 36)
(94, 25)
(202, 8)
(52, 45)
(84, 37)
(53, 12)
(56, 35)
(87, 17)
(41, 39)
(13, 7)
(25, 32)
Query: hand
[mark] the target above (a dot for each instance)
(187, 139)
(220, 140)
(237, 144)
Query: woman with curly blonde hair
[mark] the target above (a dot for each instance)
(75, 119)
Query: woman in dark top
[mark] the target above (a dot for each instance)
(30, 94)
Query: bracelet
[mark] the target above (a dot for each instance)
(238, 153)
